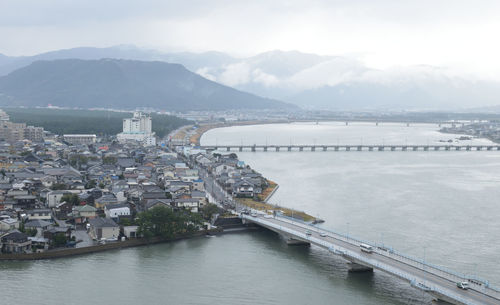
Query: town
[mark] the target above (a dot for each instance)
(78, 190)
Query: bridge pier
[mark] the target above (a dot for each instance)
(295, 242)
(457, 148)
(479, 148)
(289, 148)
(228, 148)
(253, 148)
(347, 148)
(324, 148)
(277, 148)
(415, 148)
(436, 147)
(355, 267)
(313, 148)
(301, 148)
(381, 148)
(265, 148)
(336, 148)
(370, 148)
(467, 148)
(426, 148)
(393, 148)
(240, 148)
(404, 148)
(446, 148)
(360, 148)
(489, 148)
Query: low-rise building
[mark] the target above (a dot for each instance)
(15, 242)
(103, 228)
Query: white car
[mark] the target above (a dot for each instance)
(463, 285)
(323, 234)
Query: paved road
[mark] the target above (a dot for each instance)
(84, 237)
(382, 260)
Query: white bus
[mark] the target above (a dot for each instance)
(366, 248)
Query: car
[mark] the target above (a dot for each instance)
(323, 234)
(463, 285)
(253, 214)
(308, 233)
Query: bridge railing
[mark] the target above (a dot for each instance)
(369, 261)
(410, 260)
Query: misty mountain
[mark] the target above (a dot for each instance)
(310, 80)
(126, 84)
(192, 61)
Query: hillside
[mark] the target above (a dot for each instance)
(124, 84)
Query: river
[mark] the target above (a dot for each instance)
(439, 205)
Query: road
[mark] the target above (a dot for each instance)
(425, 276)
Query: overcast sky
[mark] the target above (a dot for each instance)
(383, 33)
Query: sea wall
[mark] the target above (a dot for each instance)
(100, 248)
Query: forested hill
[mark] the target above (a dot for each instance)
(65, 121)
(122, 84)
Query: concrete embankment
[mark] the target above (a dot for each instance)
(100, 248)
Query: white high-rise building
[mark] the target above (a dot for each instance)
(138, 128)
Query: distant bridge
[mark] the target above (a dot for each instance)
(352, 147)
(435, 280)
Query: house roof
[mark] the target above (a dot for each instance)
(37, 223)
(85, 208)
(15, 236)
(102, 223)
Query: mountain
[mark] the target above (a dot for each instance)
(125, 84)
(192, 61)
(311, 80)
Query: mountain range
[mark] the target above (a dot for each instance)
(123, 84)
(310, 80)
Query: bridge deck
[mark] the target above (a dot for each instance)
(436, 281)
(354, 147)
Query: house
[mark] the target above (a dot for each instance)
(83, 213)
(130, 231)
(15, 242)
(25, 201)
(198, 185)
(39, 225)
(103, 228)
(115, 211)
(52, 232)
(151, 203)
(42, 214)
(7, 223)
(187, 203)
(243, 188)
(104, 200)
(54, 197)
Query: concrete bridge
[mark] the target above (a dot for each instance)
(360, 147)
(437, 281)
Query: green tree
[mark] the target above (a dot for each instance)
(73, 199)
(90, 184)
(59, 239)
(209, 210)
(163, 222)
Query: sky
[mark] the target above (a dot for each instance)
(382, 33)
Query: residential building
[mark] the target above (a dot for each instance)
(103, 228)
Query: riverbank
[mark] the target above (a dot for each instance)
(262, 204)
(201, 129)
(67, 252)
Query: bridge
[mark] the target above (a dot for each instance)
(435, 280)
(360, 147)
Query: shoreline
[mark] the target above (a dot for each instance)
(70, 252)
